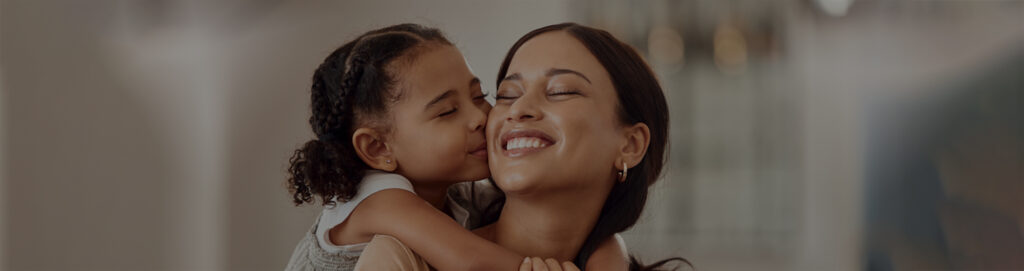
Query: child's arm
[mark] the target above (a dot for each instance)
(430, 233)
(385, 253)
(610, 255)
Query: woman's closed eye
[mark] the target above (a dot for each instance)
(563, 94)
(505, 95)
(559, 92)
(481, 97)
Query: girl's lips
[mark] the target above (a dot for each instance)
(480, 152)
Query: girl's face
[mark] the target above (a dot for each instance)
(439, 120)
(554, 126)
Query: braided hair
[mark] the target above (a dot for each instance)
(354, 86)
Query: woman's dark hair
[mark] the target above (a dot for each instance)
(640, 100)
(354, 86)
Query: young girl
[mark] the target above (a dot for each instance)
(398, 118)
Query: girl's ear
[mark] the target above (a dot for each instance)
(373, 149)
(634, 147)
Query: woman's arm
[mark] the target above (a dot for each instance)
(430, 233)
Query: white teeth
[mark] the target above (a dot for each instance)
(524, 142)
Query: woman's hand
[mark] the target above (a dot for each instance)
(538, 264)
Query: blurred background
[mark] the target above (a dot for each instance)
(806, 134)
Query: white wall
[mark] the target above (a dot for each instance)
(845, 63)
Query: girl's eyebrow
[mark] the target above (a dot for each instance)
(449, 93)
(551, 72)
(439, 98)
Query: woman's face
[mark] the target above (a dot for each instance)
(554, 125)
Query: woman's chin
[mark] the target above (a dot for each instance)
(514, 183)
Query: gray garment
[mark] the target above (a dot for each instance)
(471, 204)
(309, 256)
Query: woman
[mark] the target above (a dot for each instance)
(577, 135)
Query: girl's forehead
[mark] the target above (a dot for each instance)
(433, 72)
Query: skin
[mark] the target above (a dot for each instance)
(556, 90)
(538, 264)
(453, 139)
(436, 138)
(442, 114)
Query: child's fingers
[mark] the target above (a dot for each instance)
(539, 265)
(553, 265)
(526, 265)
(569, 266)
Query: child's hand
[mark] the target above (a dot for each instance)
(538, 264)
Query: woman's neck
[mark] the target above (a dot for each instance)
(554, 226)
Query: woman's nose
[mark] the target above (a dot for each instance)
(525, 108)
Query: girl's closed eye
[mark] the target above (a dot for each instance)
(448, 112)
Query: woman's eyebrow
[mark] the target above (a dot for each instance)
(556, 71)
(514, 76)
(551, 72)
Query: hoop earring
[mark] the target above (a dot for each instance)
(622, 174)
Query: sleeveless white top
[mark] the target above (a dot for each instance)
(471, 204)
(374, 181)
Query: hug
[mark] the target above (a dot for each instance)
(416, 169)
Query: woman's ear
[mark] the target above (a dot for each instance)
(373, 149)
(637, 138)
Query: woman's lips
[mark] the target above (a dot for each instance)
(522, 142)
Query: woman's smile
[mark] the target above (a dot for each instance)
(520, 142)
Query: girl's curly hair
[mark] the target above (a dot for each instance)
(353, 85)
